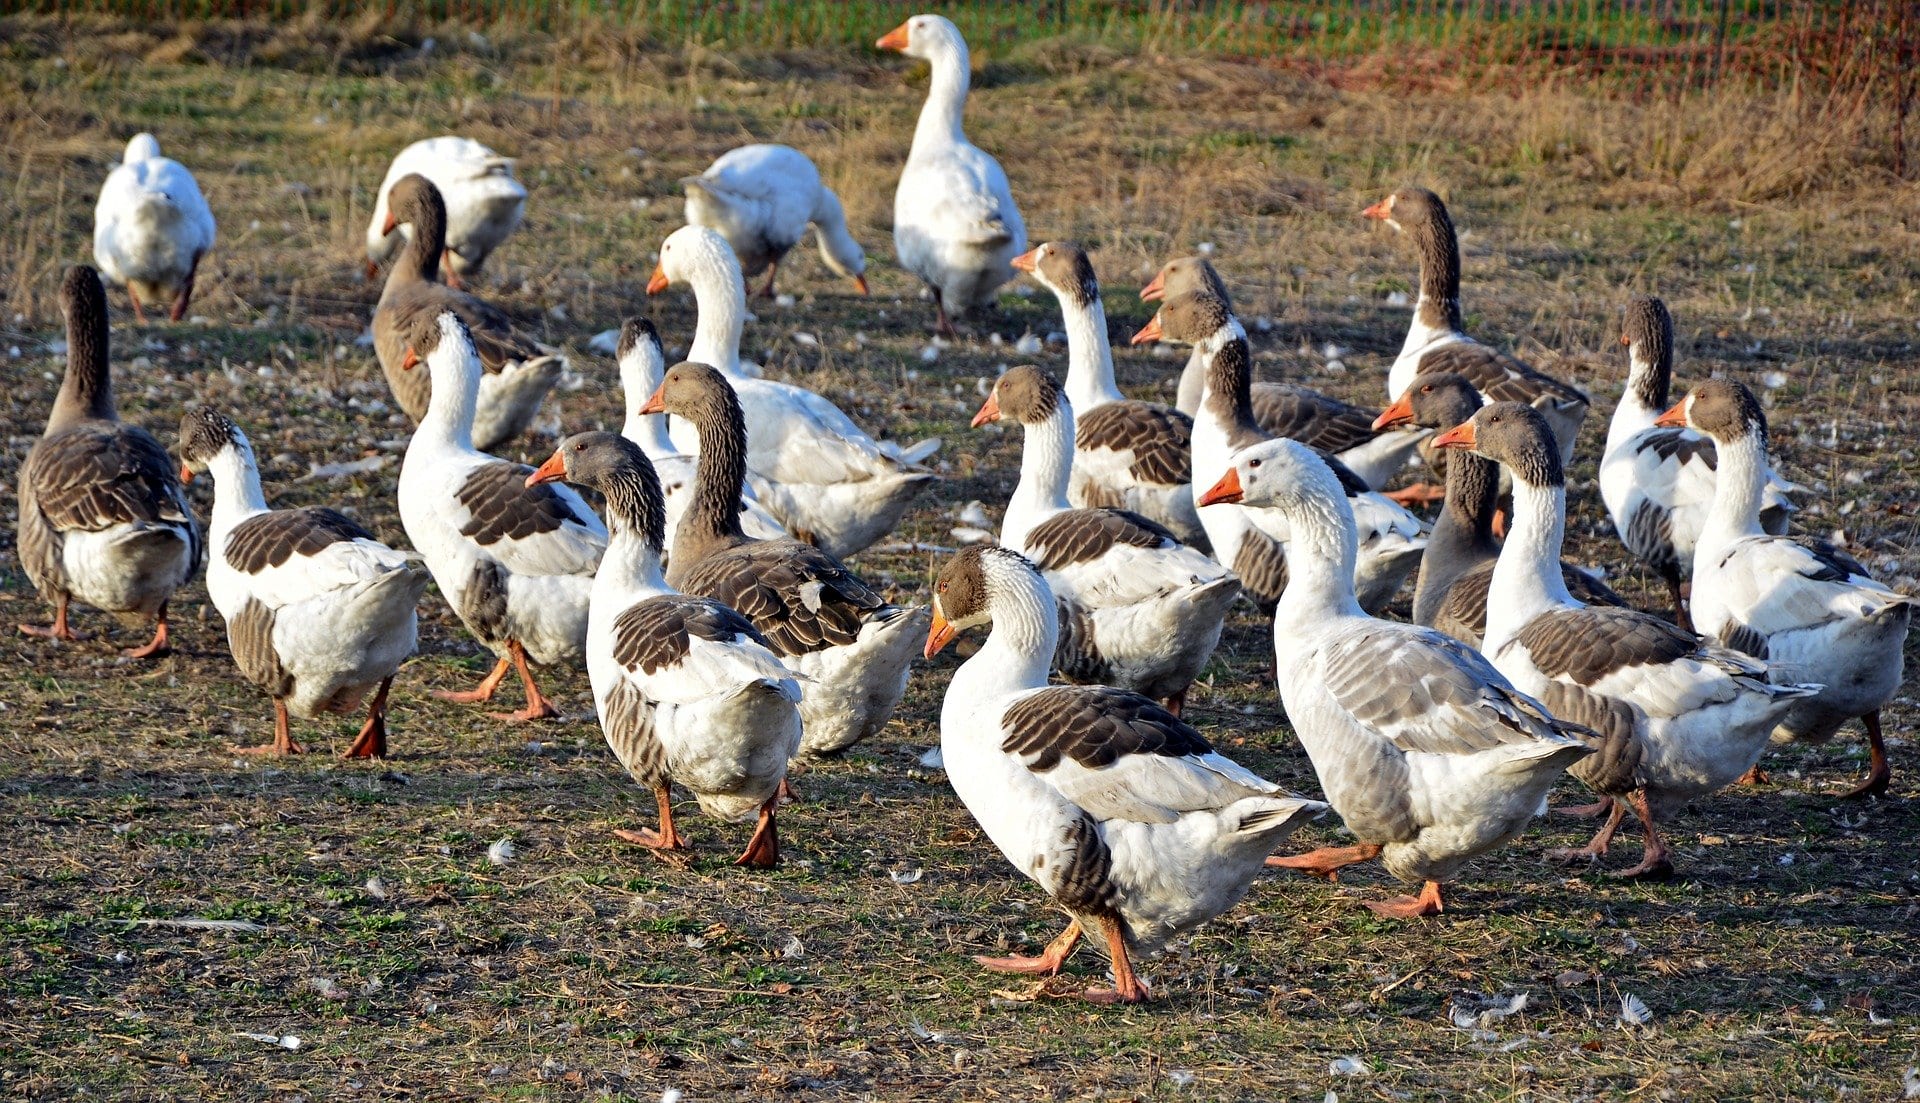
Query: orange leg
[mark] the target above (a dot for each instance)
(1412, 907)
(1328, 860)
(1754, 776)
(181, 300)
(1655, 863)
(372, 740)
(538, 707)
(1585, 811)
(667, 838)
(1879, 771)
(282, 735)
(763, 850)
(1419, 494)
(1046, 965)
(481, 692)
(138, 315)
(787, 794)
(59, 629)
(1597, 847)
(453, 278)
(1126, 987)
(1178, 701)
(766, 289)
(156, 647)
(1682, 616)
(942, 324)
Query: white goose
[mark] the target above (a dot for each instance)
(1677, 718)
(1127, 454)
(484, 202)
(824, 477)
(955, 224)
(1140, 610)
(151, 227)
(1127, 817)
(1657, 482)
(516, 563)
(1810, 610)
(1429, 755)
(103, 520)
(319, 613)
(643, 364)
(686, 688)
(762, 198)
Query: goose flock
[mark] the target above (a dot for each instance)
(726, 637)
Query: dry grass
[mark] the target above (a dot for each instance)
(1781, 966)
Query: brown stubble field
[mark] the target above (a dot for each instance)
(1781, 964)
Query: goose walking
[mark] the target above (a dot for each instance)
(484, 203)
(151, 228)
(762, 199)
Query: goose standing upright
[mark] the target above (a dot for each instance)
(686, 688)
(1810, 610)
(823, 476)
(151, 227)
(1127, 454)
(103, 520)
(319, 613)
(519, 370)
(516, 563)
(1657, 482)
(1139, 609)
(955, 224)
(762, 198)
(1430, 756)
(853, 646)
(1127, 817)
(484, 202)
(1677, 717)
(1437, 343)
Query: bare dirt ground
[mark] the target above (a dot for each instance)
(1780, 964)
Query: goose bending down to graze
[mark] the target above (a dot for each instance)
(103, 520)
(1435, 340)
(955, 224)
(1812, 612)
(484, 203)
(319, 613)
(1658, 481)
(686, 688)
(1322, 422)
(852, 646)
(1678, 718)
(1253, 543)
(822, 475)
(1450, 592)
(1430, 756)
(1127, 454)
(515, 562)
(1138, 609)
(762, 198)
(643, 364)
(519, 371)
(1128, 818)
(151, 228)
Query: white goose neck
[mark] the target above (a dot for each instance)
(1634, 414)
(1739, 489)
(1321, 551)
(940, 124)
(841, 253)
(720, 298)
(639, 378)
(1526, 578)
(1046, 467)
(1019, 650)
(1090, 381)
(628, 572)
(236, 487)
(453, 400)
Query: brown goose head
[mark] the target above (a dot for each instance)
(1514, 435)
(1186, 320)
(205, 433)
(962, 595)
(1026, 394)
(1183, 275)
(1434, 400)
(1723, 409)
(1062, 267)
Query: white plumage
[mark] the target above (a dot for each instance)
(484, 201)
(762, 198)
(151, 227)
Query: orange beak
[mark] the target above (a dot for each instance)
(1027, 261)
(860, 285)
(1380, 211)
(939, 635)
(1149, 332)
(186, 474)
(389, 226)
(1226, 490)
(553, 470)
(657, 402)
(659, 281)
(1400, 413)
(1460, 436)
(895, 39)
(1675, 418)
(1626, 340)
(408, 361)
(1156, 290)
(372, 269)
(989, 410)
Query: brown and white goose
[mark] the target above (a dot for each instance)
(852, 646)
(1450, 592)
(102, 518)
(515, 562)
(1435, 340)
(319, 613)
(1128, 454)
(519, 370)
(1810, 610)
(1138, 609)
(1128, 818)
(686, 688)
(1678, 718)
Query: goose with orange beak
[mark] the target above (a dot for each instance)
(485, 203)
(763, 199)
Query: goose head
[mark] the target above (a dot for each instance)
(620, 471)
(685, 253)
(141, 147)
(923, 36)
(413, 199)
(1276, 474)
(1434, 400)
(1723, 409)
(204, 434)
(696, 392)
(1025, 394)
(1189, 319)
(1514, 435)
(970, 584)
(1408, 207)
(1062, 267)
(1183, 275)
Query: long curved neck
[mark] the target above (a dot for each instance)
(720, 297)
(1739, 489)
(837, 248)
(649, 431)
(1462, 536)
(631, 565)
(1089, 358)
(87, 389)
(1046, 467)
(1438, 311)
(1320, 562)
(1019, 651)
(940, 117)
(712, 519)
(426, 241)
(1526, 578)
(1229, 394)
(452, 401)
(236, 487)
(1193, 384)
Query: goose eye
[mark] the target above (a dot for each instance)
(1255, 463)
(941, 588)
(1428, 389)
